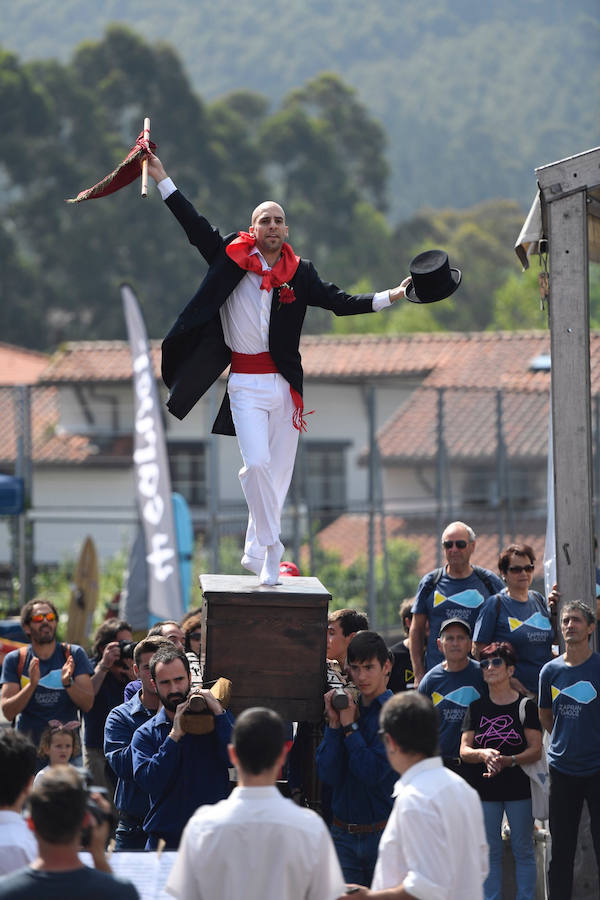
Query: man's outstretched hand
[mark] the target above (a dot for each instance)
(398, 292)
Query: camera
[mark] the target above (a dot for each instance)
(340, 699)
(126, 649)
(99, 814)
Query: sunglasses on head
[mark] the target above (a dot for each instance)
(39, 617)
(516, 570)
(495, 661)
(460, 545)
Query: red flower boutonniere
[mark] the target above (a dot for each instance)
(286, 294)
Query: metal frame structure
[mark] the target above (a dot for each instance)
(570, 192)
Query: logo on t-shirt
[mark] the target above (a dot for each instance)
(470, 599)
(498, 730)
(537, 620)
(52, 681)
(582, 691)
(462, 696)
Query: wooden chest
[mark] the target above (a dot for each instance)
(269, 641)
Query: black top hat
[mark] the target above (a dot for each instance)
(432, 277)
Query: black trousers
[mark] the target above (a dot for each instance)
(567, 794)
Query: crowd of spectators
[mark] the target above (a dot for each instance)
(479, 651)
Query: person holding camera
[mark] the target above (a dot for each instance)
(351, 759)
(113, 667)
(122, 722)
(179, 771)
(60, 810)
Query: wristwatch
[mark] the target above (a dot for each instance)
(350, 729)
(514, 761)
(68, 683)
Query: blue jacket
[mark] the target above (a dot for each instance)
(121, 724)
(357, 768)
(179, 776)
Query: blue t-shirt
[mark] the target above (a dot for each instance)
(452, 693)
(525, 625)
(451, 598)
(572, 694)
(50, 699)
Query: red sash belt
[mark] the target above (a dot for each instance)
(253, 363)
(261, 364)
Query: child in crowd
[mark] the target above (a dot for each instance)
(59, 743)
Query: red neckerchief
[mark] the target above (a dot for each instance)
(281, 273)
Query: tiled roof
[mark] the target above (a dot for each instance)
(20, 366)
(86, 361)
(348, 536)
(470, 419)
(49, 445)
(490, 359)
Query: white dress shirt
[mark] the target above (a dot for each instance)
(434, 843)
(18, 846)
(246, 313)
(259, 846)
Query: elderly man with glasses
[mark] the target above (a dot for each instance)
(45, 680)
(455, 590)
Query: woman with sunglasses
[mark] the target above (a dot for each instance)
(192, 633)
(519, 615)
(496, 742)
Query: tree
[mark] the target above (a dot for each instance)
(348, 584)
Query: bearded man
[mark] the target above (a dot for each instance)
(179, 771)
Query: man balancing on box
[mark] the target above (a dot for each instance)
(248, 312)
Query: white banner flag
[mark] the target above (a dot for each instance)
(153, 483)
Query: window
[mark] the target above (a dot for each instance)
(188, 471)
(320, 478)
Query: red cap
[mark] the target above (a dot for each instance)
(288, 568)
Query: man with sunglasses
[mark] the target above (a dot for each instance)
(49, 680)
(457, 590)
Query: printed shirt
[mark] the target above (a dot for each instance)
(572, 694)
(450, 598)
(499, 727)
(50, 699)
(525, 625)
(451, 694)
(402, 677)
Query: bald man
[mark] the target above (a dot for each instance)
(248, 313)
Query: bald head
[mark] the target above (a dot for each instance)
(269, 229)
(268, 205)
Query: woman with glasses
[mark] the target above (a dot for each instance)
(519, 615)
(499, 733)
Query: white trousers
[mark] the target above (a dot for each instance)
(262, 410)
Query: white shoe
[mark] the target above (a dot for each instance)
(252, 563)
(270, 571)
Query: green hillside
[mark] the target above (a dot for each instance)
(471, 95)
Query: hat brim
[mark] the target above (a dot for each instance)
(455, 275)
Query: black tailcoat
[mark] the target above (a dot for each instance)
(194, 352)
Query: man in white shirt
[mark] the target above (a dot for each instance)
(434, 846)
(256, 844)
(249, 312)
(18, 763)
